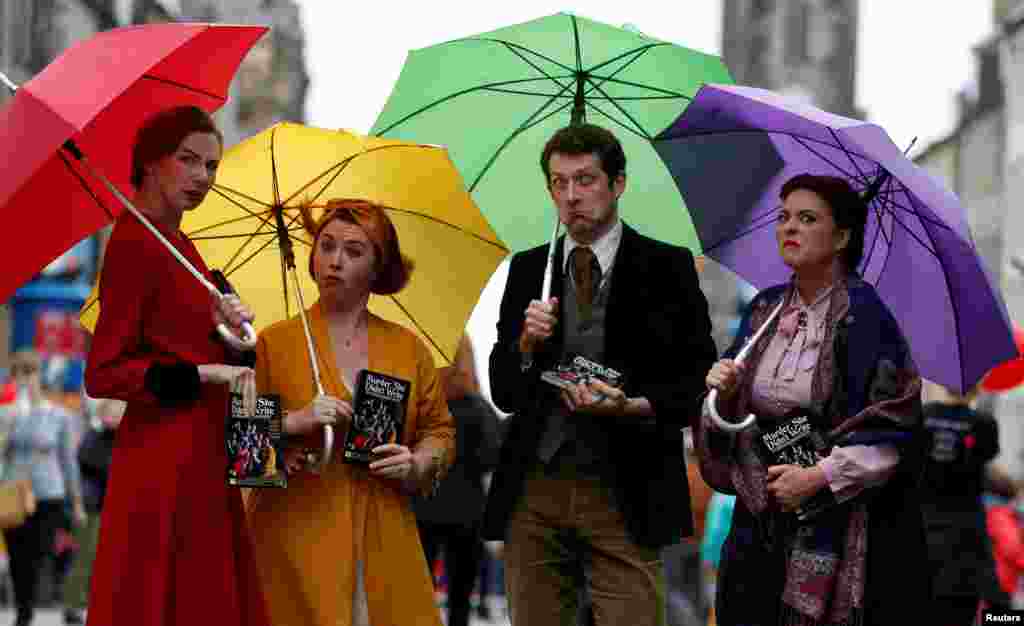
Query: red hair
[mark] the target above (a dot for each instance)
(392, 267)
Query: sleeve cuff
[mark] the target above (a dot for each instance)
(174, 385)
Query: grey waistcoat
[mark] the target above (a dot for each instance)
(579, 441)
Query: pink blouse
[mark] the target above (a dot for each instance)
(783, 382)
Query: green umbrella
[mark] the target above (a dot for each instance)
(494, 100)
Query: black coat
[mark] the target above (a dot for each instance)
(658, 333)
(460, 496)
(960, 444)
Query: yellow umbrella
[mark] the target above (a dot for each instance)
(250, 228)
(439, 226)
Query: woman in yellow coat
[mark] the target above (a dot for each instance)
(342, 547)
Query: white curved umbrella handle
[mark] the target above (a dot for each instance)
(242, 344)
(721, 424)
(749, 420)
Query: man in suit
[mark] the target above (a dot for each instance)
(591, 481)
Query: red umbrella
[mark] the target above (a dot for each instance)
(91, 100)
(1007, 374)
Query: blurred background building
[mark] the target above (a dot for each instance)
(803, 48)
(270, 86)
(982, 161)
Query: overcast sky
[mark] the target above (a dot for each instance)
(913, 56)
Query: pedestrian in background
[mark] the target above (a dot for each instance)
(450, 521)
(39, 448)
(94, 454)
(960, 444)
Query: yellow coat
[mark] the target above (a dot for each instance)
(309, 536)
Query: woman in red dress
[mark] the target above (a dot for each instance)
(173, 548)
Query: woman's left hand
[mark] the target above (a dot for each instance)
(595, 397)
(230, 310)
(792, 484)
(395, 461)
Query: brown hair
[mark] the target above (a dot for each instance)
(392, 267)
(163, 133)
(848, 210)
(586, 139)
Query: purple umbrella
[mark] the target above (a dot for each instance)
(730, 153)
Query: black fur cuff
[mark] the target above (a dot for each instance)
(173, 385)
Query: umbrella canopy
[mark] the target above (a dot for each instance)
(272, 174)
(97, 94)
(918, 251)
(494, 100)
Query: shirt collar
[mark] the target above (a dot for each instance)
(604, 248)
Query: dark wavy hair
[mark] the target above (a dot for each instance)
(849, 210)
(586, 139)
(163, 133)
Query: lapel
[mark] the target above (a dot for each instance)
(628, 258)
(558, 291)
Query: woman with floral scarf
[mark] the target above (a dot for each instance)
(837, 539)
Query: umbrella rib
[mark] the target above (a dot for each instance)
(223, 191)
(175, 83)
(671, 136)
(520, 47)
(251, 215)
(228, 272)
(242, 263)
(336, 170)
(431, 218)
(516, 51)
(249, 239)
(849, 175)
(924, 218)
(285, 290)
(768, 217)
(890, 239)
(619, 81)
(615, 104)
(520, 92)
(522, 127)
(576, 43)
(849, 155)
(642, 134)
(618, 71)
(897, 220)
(250, 236)
(273, 172)
(880, 217)
(456, 94)
(422, 330)
(81, 181)
(874, 245)
(639, 52)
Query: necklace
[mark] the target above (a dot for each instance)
(345, 341)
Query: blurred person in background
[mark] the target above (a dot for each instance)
(686, 603)
(960, 444)
(451, 519)
(94, 456)
(1006, 528)
(40, 448)
(717, 522)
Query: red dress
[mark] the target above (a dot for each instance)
(173, 547)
